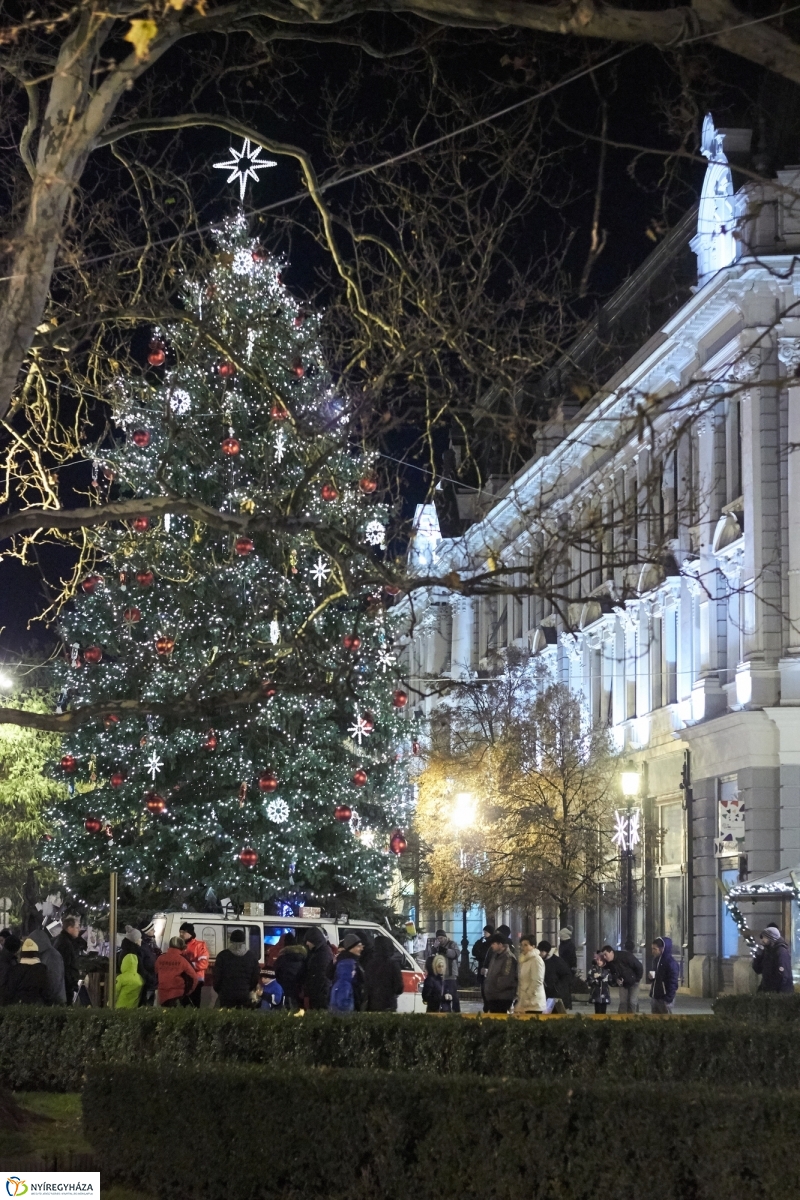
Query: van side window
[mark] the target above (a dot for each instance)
(254, 940)
(208, 934)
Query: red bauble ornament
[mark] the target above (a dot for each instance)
(351, 641)
(268, 781)
(117, 779)
(155, 803)
(360, 777)
(328, 492)
(400, 699)
(268, 689)
(69, 764)
(145, 579)
(398, 843)
(231, 447)
(111, 720)
(92, 654)
(259, 254)
(132, 615)
(279, 412)
(227, 370)
(93, 824)
(248, 857)
(391, 589)
(343, 812)
(211, 741)
(157, 356)
(140, 524)
(297, 368)
(141, 438)
(369, 722)
(91, 583)
(415, 747)
(368, 484)
(299, 319)
(165, 645)
(244, 546)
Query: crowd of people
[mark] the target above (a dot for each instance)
(362, 974)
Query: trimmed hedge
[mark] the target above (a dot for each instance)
(49, 1049)
(261, 1134)
(759, 1006)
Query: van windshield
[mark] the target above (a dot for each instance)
(274, 941)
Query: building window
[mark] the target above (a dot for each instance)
(729, 931)
(670, 834)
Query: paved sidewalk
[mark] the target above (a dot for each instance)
(685, 1006)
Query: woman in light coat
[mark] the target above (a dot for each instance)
(530, 988)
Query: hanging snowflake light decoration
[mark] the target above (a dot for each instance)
(180, 402)
(374, 533)
(154, 765)
(360, 728)
(278, 811)
(243, 263)
(320, 572)
(244, 164)
(280, 446)
(386, 658)
(274, 631)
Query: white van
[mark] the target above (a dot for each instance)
(265, 937)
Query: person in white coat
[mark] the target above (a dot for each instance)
(530, 987)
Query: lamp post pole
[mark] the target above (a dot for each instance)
(464, 973)
(627, 837)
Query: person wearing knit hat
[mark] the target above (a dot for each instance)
(28, 982)
(347, 992)
(148, 955)
(773, 962)
(567, 951)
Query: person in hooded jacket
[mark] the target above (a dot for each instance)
(8, 962)
(557, 975)
(175, 975)
(290, 967)
(347, 991)
(129, 983)
(531, 996)
(29, 982)
(317, 980)
(773, 962)
(664, 977)
(383, 979)
(53, 962)
(131, 944)
(237, 973)
(567, 951)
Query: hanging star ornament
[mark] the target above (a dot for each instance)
(244, 164)
(154, 765)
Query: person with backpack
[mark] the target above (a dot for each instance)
(626, 972)
(347, 991)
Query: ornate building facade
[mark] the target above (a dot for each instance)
(669, 504)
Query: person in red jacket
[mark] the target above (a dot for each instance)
(175, 974)
(197, 952)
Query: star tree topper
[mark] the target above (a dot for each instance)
(245, 164)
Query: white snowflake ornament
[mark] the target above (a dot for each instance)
(360, 728)
(154, 765)
(280, 446)
(278, 811)
(320, 572)
(374, 533)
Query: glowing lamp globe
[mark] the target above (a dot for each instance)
(141, 524)
(92, 654)
(165, 645)
(268, 781)
(368, 485)
(145, 579)
(400, 699)
(244, 546)
(132, 615)
(231, 447)
(630, 781)
(93, 824)
(69, 764)
(91, 583)
(117, 779)
(351, 641)
(248, 857)
(359, 777)
(343, 812)
(328, 492)
(141, 438)
(155, 803)
(227, 370)
(397, 843)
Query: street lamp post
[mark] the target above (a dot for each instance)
(462, 817)
(627, 837)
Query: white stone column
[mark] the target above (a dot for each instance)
(461, 637)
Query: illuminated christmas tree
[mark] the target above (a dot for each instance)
(252, 727)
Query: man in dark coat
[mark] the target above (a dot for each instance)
(557, 976)
(501, 976)
(316, 982)
(773, 962)
(8, 962)
(664, 977)
(29, 982)
(290, 967)
(626, 971)
(237, 973)
(68, 944)
(383, 978)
